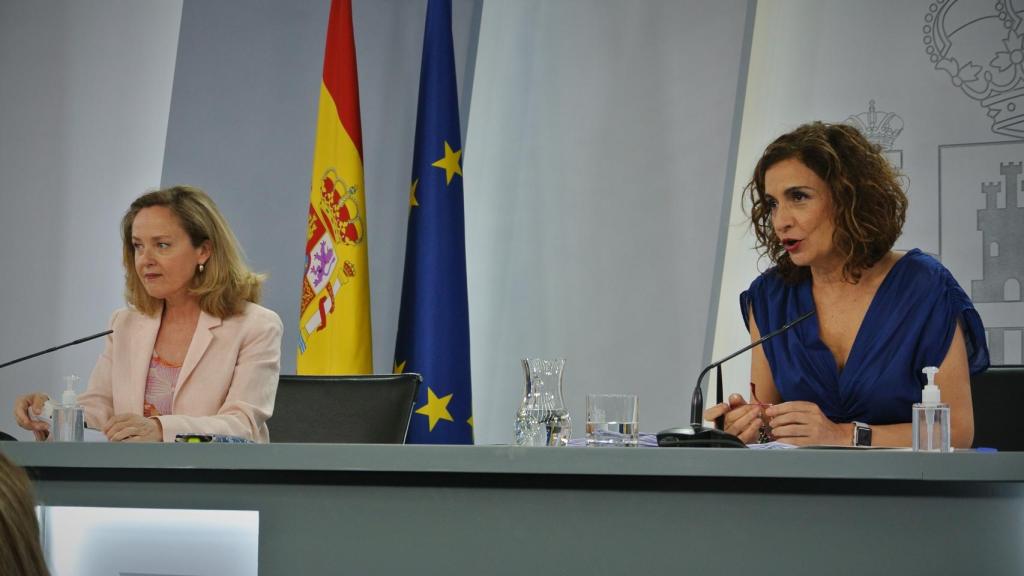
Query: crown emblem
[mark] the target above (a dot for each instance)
(881, 128)
(983, 54)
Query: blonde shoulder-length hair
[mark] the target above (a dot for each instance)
(226, 282)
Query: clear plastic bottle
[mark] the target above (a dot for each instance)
(68, 416)
(930, 422)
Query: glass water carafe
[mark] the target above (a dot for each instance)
(542, 419)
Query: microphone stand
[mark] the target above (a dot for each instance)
(698, 435)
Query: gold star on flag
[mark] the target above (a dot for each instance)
(399, 367)
(450, 163)
(412, 194)
(436, 409)
(470, 421)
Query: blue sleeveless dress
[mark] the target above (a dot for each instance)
(909, 325)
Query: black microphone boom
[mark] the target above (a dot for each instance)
(55, 348)
(699, 436)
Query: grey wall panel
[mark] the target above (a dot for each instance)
(84, 96)
(597, 162)
(242, 126)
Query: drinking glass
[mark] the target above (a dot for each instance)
(613, 420)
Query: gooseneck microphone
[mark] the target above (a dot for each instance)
(699, 436)
(55, 348)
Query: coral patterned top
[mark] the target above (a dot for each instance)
(160, 383)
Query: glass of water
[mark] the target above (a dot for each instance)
(613, 420)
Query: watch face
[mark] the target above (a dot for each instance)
(863, 435)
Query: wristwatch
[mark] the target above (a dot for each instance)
(861, 434)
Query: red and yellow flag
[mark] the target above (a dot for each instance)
(334, 326)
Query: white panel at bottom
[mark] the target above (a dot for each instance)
(140, 541)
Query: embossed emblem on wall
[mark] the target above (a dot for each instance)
(881, 128)
(980, 47)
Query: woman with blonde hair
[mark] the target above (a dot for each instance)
(20, 552)
(193, 352)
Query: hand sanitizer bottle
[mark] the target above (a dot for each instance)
(930, 423)
(68, 416)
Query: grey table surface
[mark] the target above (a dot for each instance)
(796, 464)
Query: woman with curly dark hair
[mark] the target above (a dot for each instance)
(826, 209)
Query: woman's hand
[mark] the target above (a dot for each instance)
(133, 428)
(803, 423)
(741, 419)
(32, 405)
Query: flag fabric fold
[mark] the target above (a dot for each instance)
(335, 336)
(433, 326)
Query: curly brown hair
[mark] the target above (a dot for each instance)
(868, 202)
(225, 285)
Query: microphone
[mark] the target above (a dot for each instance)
(55, 348)
(697, 435)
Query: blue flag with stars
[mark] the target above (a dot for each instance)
(433, 324)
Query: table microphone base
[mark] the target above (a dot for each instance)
(698, 437)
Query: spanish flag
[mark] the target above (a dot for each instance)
(334, 326)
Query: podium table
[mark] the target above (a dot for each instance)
(367, 509)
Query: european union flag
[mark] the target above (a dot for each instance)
(433, 324)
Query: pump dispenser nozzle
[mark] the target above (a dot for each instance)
(930, 419)
(69, 397)
(931, 393)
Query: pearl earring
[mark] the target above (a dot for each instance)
(201, 268)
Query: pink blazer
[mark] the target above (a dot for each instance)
(227, 383)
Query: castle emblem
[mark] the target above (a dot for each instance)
(1000, 222)
(983, 56)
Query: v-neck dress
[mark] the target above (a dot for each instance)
(909, 325)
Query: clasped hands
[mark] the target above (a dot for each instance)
(799, 423)
(118, 428)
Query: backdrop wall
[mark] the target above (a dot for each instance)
(588, 172)
(605, 146)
